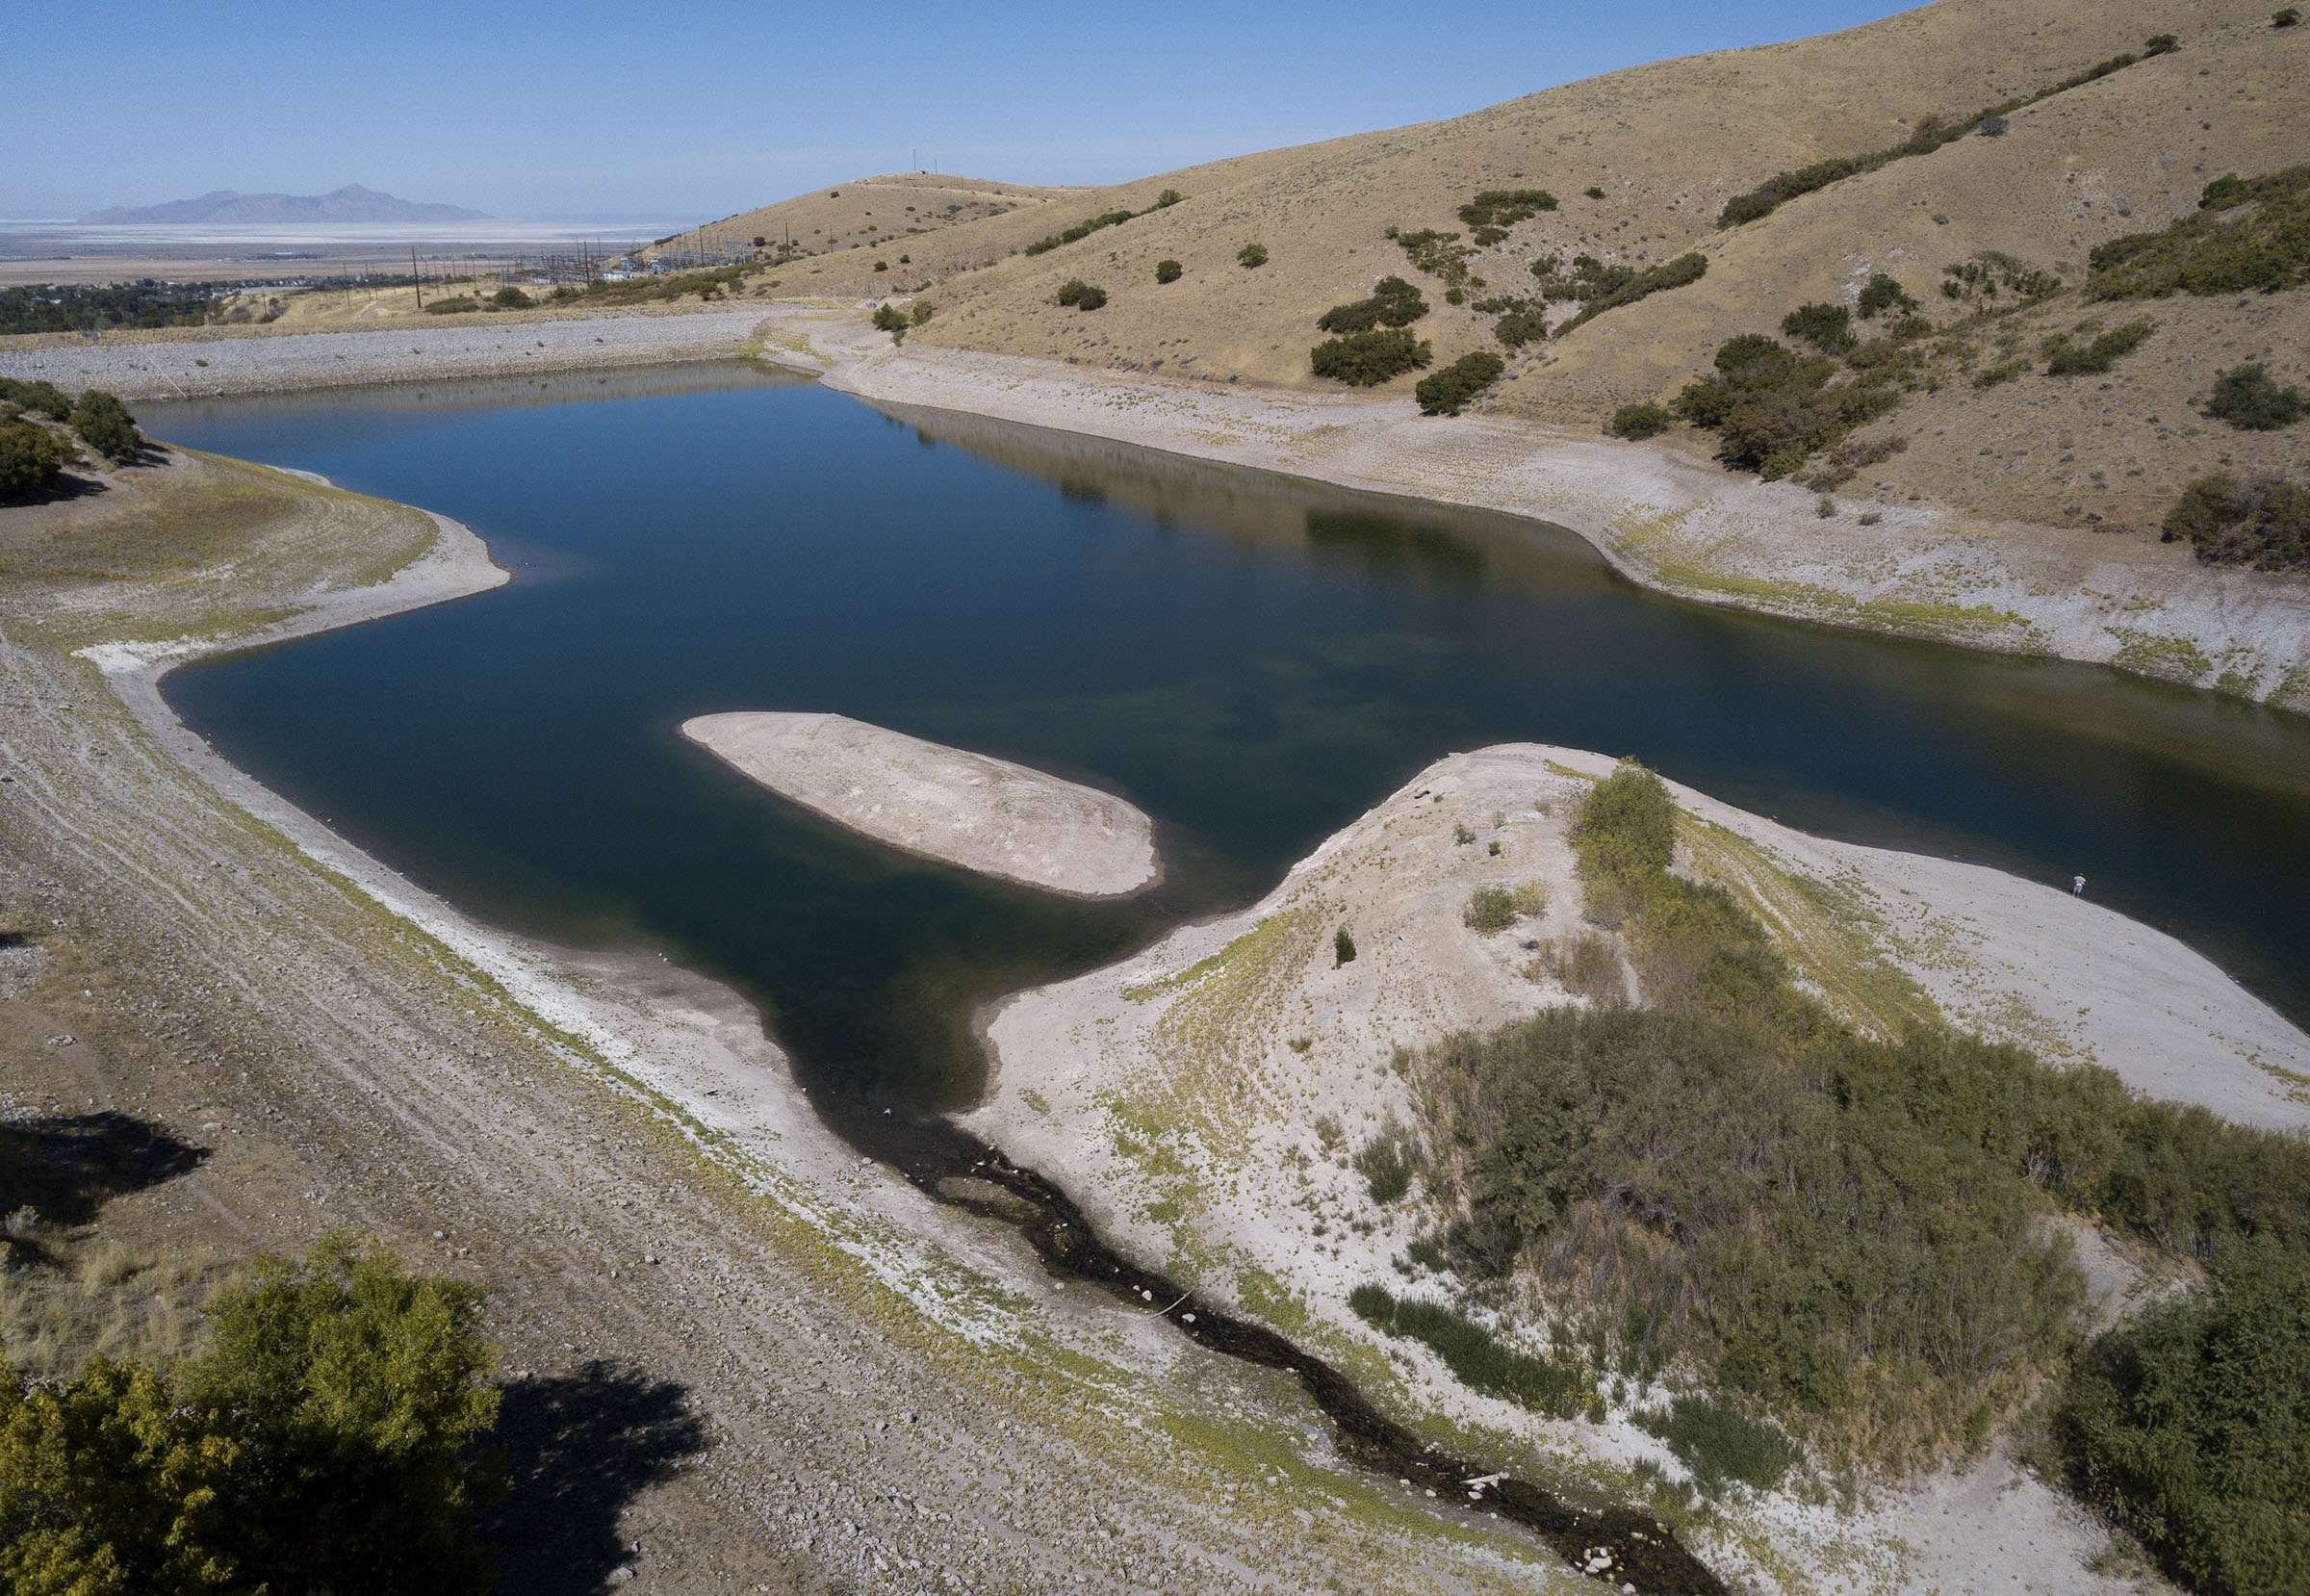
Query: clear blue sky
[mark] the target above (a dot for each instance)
(642, 111)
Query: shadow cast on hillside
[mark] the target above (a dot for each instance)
(66, 1168)
(579, 1448)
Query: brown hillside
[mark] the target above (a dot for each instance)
(1668, 143)
(893, 209)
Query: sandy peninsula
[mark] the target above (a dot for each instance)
(969, 810)
(1202, 1098)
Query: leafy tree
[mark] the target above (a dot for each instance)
(31, 460)
(1828, 328)
(2250, 398)
(1393, 304)
(319, 1444)
(891, 320)
(1366, 358)
(2264, 524)
(1447, 390)
(353, 1390)
(1644, 420)
(510, 298)
(1880, 294)
(1168, 271)
(47, 397)
(106, 1486)
(106, 427)
(2191, 1425)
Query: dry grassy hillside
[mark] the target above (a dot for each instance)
(1667, 144)
(868, 214)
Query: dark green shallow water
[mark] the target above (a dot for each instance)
(1252, 662)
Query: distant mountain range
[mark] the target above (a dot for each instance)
(350, 203)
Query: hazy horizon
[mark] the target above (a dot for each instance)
(595, 116)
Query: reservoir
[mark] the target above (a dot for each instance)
(1251, 661)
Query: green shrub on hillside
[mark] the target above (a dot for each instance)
(1846, 1230)
(1688, 267)
(2252, 400)
(455, 305)
(1770, 408)
(1366, 358)
(1493, 212)
(106, 427)
(31, 460)
(891, 320)
(1447, 390)
(1588, 279)
(2264, 524)
(1882, 293)
(2190, 1425)
(1593, 191)
(2265, 248)
(1080, 230)
(47, 397)
(510, 298)
(1168, 271)
(1990, 270)
(1644, 420)
(2066, 357)
(1559, 1383)
(1251, 255)
(1828, 328)
(1393, 304)
(1441, 255)
(1719, 1445)
(2286, 16)
(1929, 134)
(324, 1441)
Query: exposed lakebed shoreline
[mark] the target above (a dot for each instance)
(2121, 975)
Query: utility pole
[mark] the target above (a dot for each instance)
(415, 281)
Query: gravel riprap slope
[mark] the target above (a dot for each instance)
(225, 364)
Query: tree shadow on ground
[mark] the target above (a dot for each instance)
(579, 1448)
(66, 1168)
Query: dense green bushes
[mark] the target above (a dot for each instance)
(2065, 356)
(1929, 134)
(2264, 524)
(1847, 1230)
(1770, 408)
(1828, 328)
(1644, 420)
(510, 298)
(320, 1443)
(1880, 294)
(1493, 212)
(454, 305)
(1441, 255)
(1718, 1444)
(1082, 295)
(1688, 267)
(2267, 249)
(2252, 400)
(1080, 230)
(1990, 269)
(1366, 358)
(2191, 1425)
(1393, 304)
(68, 307)
(1252, 256)
(1447, 390)
(106, 427)
(1168, 271)
(31, 458)
(1557, 1384)
(47, 397)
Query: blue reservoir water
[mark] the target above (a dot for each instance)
(1251, 661)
